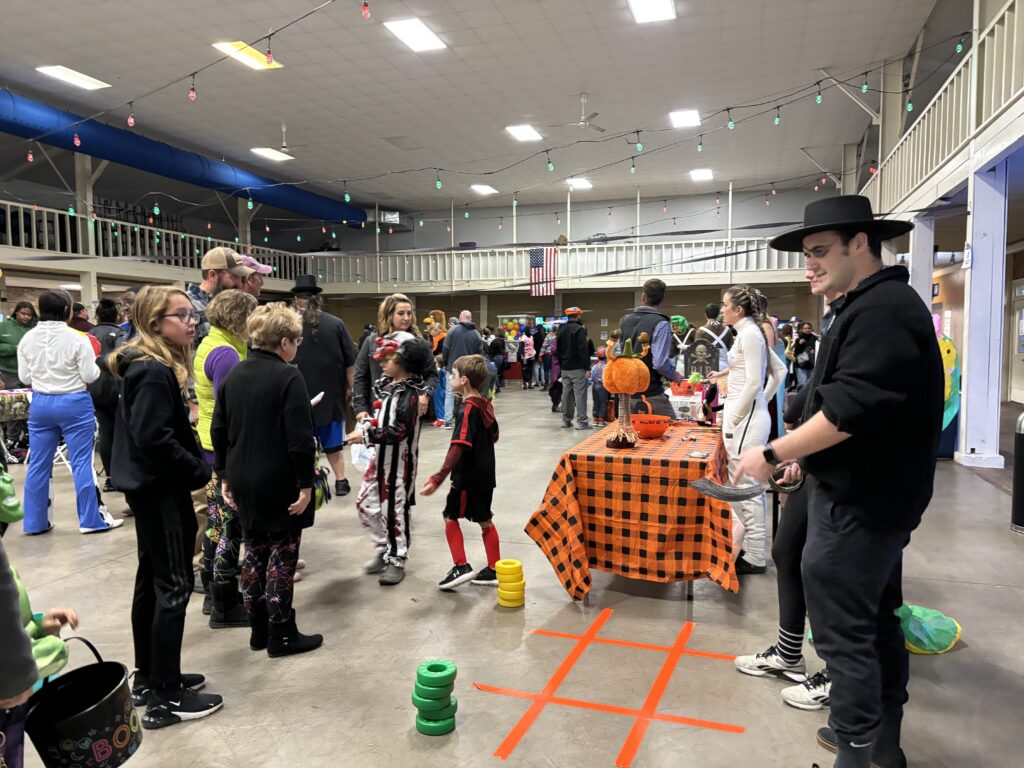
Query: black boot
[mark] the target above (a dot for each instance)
(886, 752)
(260, 627)
(227, 608)
(207, 595)
(285, 640)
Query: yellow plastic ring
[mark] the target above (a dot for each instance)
(511, 596)
(512, 586)
(511, 604)
(508, 568)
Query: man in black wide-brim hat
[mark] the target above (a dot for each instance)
(868, 446)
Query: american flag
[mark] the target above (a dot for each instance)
(543, 263)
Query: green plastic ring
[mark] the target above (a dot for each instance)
(435, 727)
(429, 692)
(430, 705)
(440, 714)
(436, 673)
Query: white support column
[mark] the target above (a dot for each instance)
(984, 295)
(83, 204)
(638, 296)
(482, 320)
(922, 258)
(244, 223)
(850, 172)
(892, 107)
(90, 290)
(558, 304)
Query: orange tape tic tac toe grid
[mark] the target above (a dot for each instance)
(641, 717)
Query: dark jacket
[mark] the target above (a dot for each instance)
(104, 389)
(109, 335)
(155, 448)
(879, 378)
(644, 320)
(324, 358)
(368, 371)
(573, 347)
(805, 343)
(463, 339)
(262, 434)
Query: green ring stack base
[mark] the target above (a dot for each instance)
(433, 699)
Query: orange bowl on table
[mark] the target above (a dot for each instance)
(650, 426)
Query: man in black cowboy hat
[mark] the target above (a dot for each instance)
(327, 361)
(868, 445)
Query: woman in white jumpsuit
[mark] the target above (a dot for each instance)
(755, 374)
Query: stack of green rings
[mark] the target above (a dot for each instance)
(10, 507)
(432, 697)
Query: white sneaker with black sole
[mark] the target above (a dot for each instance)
(110, 520)
(769, 662)
(811, 694)
(459, 574)
(184, 704)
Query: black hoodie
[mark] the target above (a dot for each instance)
(476, 430)
(155, 448)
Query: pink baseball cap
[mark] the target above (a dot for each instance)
(262, 269)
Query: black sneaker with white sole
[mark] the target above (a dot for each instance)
(184, 704)
(142, 686)
(486, 578)
(459, 574)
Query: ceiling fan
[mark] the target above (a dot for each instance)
(584, 121)
(284, 141)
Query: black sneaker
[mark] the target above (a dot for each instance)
(108, 487)
(743, 568)
(826, 738)
(459, 574)
(487, 578)
(342, 488)
(183, 704)
(142, 686)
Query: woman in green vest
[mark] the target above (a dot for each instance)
(218, 353)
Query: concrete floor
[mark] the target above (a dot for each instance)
(1003, 478)
(348, 703)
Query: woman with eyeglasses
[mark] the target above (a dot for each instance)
(159, 465)
(59, 363)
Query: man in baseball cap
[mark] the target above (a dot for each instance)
(222, 269)
(254, 282)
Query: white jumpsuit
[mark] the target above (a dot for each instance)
(746, 423)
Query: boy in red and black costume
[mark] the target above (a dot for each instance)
(470, 461)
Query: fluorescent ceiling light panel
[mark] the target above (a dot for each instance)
(684, 118)
(72, 77)
(415, 34)
(523, 132)
(269, 153)
(484, 189)
(652, 10)
(702, 174)
(246, 54)
(579, 183)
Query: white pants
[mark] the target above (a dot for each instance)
(750, 432)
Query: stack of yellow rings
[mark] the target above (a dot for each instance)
(511, 584)
(432, 697)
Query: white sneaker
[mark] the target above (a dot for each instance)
(111, 525)
(812, 694)
(769, 662)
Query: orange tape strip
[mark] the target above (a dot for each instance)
(650, 707)
(630, 644)
(598, 707)
(520, 728)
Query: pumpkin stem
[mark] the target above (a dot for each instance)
(627, 348)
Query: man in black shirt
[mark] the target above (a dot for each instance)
(573, 349)
(868, 445)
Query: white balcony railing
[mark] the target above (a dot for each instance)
(959, 111)
(48, 229)
(578, 265)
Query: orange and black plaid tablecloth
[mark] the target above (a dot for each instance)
(632, 512)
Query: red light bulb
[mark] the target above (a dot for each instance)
(30, 157)
(270, 56)
(824, 181)
(815, 187)
(391, 231)
(774, 191)
(323, 230)
(366, 10)
(209, 225)
(192, 93)
(76, 141)
(872, 170)
(131, 121)
(150, 219)
(266, 228)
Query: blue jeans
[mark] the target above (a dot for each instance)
(600, 395)
(52, 416)
(449, 402)
(441, 394)
(803, 375)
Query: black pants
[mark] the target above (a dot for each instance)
(527, 372)
(853, 577)
(268, 574)
(165, 526)
(787, 552)
(105, 442)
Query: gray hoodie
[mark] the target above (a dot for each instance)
(463, 339)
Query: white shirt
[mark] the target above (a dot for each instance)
(56, 360)
(748, 359)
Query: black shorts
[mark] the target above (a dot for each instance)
(473, 505)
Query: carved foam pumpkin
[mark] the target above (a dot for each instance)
(627, 374)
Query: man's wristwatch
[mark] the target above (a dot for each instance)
(769, 456)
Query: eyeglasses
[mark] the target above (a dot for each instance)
(184, 317)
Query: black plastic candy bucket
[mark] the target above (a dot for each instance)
(85, 718)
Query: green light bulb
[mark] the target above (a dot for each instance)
(700, 146)
(819, 98)
(732, 125)
(378, 230)
(960, 46)
(348, 197)
(156, 209)
(248, 204)
(421, 222)
(632, 168)
(514, 202)
(551, 166)
(71, 210)
(864, 88)
(778, 119)
(639, 147)
(266, 239)
(438, 182)
(910, 106)
(465, 214)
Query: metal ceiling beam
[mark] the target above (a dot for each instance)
(876, 118)
(835, 179)
(60, 176)
(99, 171)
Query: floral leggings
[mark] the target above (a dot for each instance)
(223, 539)
(268, 572)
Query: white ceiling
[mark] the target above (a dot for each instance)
(348, 85)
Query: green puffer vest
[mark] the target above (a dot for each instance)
(217, 337)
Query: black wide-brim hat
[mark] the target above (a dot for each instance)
(306, 284)
(845, 212)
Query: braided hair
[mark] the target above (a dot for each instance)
(753, 303)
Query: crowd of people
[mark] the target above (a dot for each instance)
(213, 414)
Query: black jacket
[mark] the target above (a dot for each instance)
(324, 358)
(155, 448)
(573, 347)
(645, 319)
(262, 434)
(878, 377)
